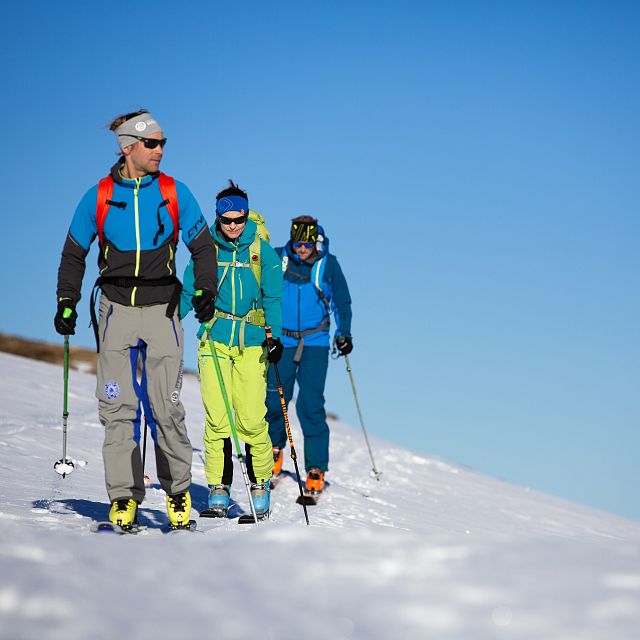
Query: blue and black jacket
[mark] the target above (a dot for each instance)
(138, 243)
(305, 306)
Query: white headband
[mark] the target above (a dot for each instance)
(127, 133)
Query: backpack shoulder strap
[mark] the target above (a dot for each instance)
(317, 272)
(170, 194)
(105, 191)
(254, 257)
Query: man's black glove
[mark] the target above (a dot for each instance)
(274, 349)
(204, 305)
(66, 316)
(344, 344)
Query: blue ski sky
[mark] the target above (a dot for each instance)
(475, 166)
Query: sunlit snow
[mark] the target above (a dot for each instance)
(433, 550)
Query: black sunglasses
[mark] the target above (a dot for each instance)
(306, 245)
(149, 143)
(240, 220)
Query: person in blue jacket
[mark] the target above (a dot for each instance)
(137, 225)
(249, 298)
(314, 289)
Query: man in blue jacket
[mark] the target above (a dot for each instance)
(314, 288)
(137, 214)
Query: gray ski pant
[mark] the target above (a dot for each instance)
(128, 335)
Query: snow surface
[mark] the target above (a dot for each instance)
(432, 550)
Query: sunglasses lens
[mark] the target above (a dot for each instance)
(227, 221)
(152, 143)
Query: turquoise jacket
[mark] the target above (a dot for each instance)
(238, 290)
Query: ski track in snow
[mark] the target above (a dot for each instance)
(432, 550)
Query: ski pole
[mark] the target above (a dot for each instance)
(376, 473)
(225, 397)
(283, 404)
(64, 466)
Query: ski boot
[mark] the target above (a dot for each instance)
(260, 497)
(123, 512)
(278, 456)
(315, 481)
(179, 510)
(219, 497)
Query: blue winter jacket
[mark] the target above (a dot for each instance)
(239, 291)
(138, 241)
(303, 307)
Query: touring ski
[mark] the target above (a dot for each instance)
(309, 498)
(247, 518)
(216, 512)
(106, 526)
(190, 526)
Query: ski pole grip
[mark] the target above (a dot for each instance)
(267, 330)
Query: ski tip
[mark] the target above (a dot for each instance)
(106, 527)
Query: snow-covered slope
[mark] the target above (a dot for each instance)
(431, 551)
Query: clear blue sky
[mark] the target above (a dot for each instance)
(475, 165)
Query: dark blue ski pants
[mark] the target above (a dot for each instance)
(311, 374)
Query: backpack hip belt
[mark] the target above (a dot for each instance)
(255, 317)
(299, 336)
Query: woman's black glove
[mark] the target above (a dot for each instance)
(274, 349)
(204, 305)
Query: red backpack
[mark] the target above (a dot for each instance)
(167, 189)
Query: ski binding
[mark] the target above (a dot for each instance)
(248, 518)
(214, 513)
(309, 498)
(190, 526)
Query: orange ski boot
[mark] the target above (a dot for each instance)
(277, 465)
(315, 481)
(277, 460)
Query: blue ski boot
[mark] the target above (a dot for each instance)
(260, 496)
(218, 501)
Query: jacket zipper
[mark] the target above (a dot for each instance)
(137, 219)
(233, 296)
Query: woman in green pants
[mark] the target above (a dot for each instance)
(249, 297)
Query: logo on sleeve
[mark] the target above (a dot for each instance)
(196, 227)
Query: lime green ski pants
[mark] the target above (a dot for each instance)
(245, 379)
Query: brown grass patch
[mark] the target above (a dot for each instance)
(79, 357)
